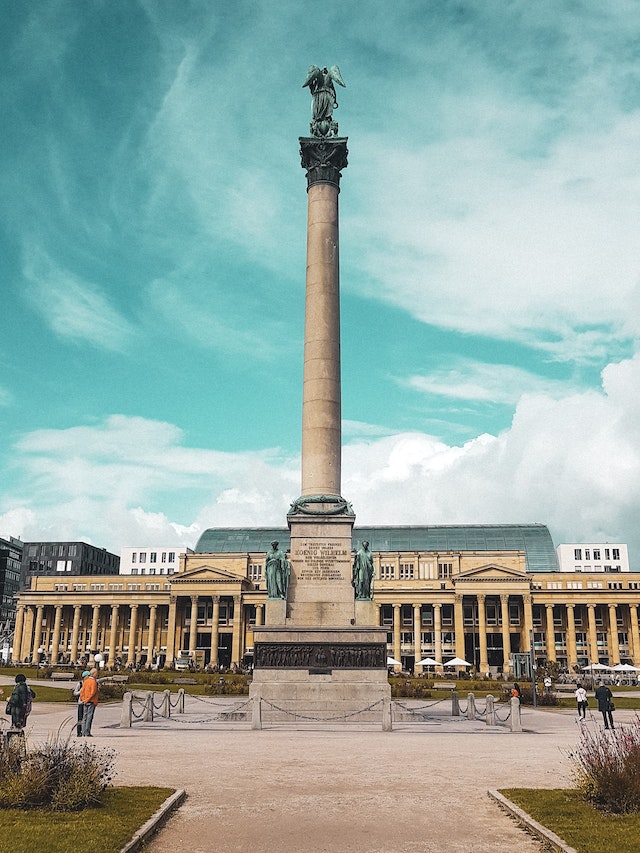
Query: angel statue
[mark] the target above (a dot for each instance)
(323, 93)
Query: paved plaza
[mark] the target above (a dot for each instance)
(347, 788)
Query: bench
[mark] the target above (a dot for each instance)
(184, 681)
(62, 676)
(444, 685)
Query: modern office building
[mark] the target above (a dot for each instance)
(10, 563)
(591, 557)
(150, 560)
(62, 559)
(481, 593)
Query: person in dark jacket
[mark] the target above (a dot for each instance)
(604, 698)
(20, 702)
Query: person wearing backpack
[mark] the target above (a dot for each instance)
(89, 699)
(20, 701)
(76, 693)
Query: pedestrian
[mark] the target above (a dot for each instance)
(516, 692)
(19, 704)
(547, 684)
(89, 699)
(581, 699)
(605, 705)
(76, 693)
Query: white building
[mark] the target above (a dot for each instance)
(152, 560)
(593, 557)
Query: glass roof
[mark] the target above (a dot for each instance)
(534, 539)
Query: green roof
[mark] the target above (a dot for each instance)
(534, 539)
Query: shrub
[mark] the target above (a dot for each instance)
(59, 775)
(607, 768)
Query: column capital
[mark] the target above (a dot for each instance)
(323, 159)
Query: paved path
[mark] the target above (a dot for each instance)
(332, 788)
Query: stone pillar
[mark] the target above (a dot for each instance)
(592, 636)
(75, 631)
(613, 646)
(259, 615)
(35, 631)
(215, 629)
(397, 612)
(528, 622)
(437, 631)
(171, 630)
(17, 633)
(193, 627)
(458, 624)
(321, 408)
(572, 654)
(506, 634)
(55, 640)
(635, 632)
(151, 636)
(482, 633)
(113, 636)
(28, 632)
(550, 633)
(236, 647)
(95, 621)
(417, 632)
(131, 656)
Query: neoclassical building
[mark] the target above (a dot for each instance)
(480, 593)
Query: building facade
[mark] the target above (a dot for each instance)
(603, 557)
(151, 560)
(60, 559)
(10, 565)
(481, 593)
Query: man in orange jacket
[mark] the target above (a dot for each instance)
(89, 700)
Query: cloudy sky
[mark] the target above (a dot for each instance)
(152, 259)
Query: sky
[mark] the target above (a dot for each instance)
(152, 264)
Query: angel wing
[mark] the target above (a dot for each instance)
(337, 76)
(311, 73)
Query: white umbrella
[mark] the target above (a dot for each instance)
(393, 662)
(457, 662)
(428, 662)
(624, 667)
(596, 666)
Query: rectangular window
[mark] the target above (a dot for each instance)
(445, 570)
(172, 556)
(387, 571)
(615, 553)
(577, 554)
(596, 553)
(587, 554)
(387, 615)
(406, 571)
(164, 556)
(468, 615)
(426, 616)
(514, 614)
(447, 614)
(607, 554)
(406, 615)
(143, 556)
(492, 613)
(134, 557)
(153, 557)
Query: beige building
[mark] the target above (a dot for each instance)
(480, 593)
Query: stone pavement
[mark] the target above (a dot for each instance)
(334, 788)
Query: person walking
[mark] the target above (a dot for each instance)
(605, 705)
(19, 704)
(581, 699)
(76, 693)
(89, 699)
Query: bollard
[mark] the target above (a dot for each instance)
(491, 711)
(147, 714)
(516, 721)
(125, 716)
(181, 700)
(471, 706)
(387, 721)
(455, 704)
(165, 710)
(256, 713)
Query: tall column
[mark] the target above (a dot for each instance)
(572, 654)
(550, 633)
(36, 631)
(113, 636)
(75, 631)
(151, 636)
(482, 633)
(506, 634)
(17, 633)
(131, 656)
(236, 647)
(259, 615)
(55, 640)
(397, 651)
(592, 639)
(613, 645)
(321, 410)
(215, 630)
(635, 632)
(95, 621)
(528, 622)
(171, 630)
(193, 627)
(417, 633)
(437, 631)
(28, 632)
(458, 624)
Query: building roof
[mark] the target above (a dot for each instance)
(534, 539)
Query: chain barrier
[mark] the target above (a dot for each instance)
(298, 716)
(502, 719)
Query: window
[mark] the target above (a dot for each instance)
(143, 556)
(133, 557)
(554, 585)
(152, 586)
(63, 565)
(581, 640)
(615, 553)
(61, 587)
(172, 556)
(594, 584)
(445, 570)
(596, 553)
(468, 615)
(514, 614)
(97, 587)
(79, 587)
(447, 614)
(587, 554)
(607, 554)
(426, 616)
(116, 586)
(134, 586)
(492, 615)
(164, 556)
(577, 554)
(387, 571)
(614, 585)
(255, 571)
(153, 557)
(134, 571)
(406, 614)
(574, 584)
(406, 571)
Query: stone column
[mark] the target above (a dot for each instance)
(572, 654)
(75, 631)
(321, 408)
(236, 647)
(259, 615)
(397, 652)
(55, 640)
(528, 622)
(131, 656)
(215, 629)
(36, 631)
(95, 621)
(171, 630)
(613, 646)
(193, 627)
(506, 634)
(113, 636)
(437, 631)
(592, 637)
(417, 632)
(151, 635)
(28, 632)
(550, 634)
(635, 632)
(17, 633)
(458, 625)
(482, 633)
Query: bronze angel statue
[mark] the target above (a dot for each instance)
(323, 93)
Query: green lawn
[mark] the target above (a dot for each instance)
(102, 829)
(577, 823)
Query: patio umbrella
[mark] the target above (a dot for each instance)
(428, 662)
(624, 667)
(393, 662)
(596, 666)
(457, 662)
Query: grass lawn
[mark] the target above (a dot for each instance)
(101, 829)
(577, 823)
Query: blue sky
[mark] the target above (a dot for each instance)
(152, 255)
